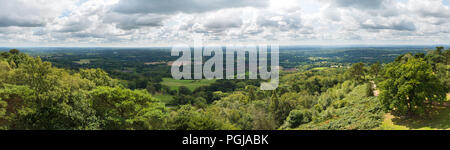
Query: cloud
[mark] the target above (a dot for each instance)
(134, 21)
(429, 8)
(361, 4)
(214, 22)
(395, 25)
(24, 13)
(185, 6)
(133, 14)
(283, 21)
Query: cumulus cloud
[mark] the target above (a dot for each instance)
(135, 22)
(429, 8)
(363, 4)
(186, 6)
(24, 13)
(396, 25)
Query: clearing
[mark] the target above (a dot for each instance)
(190, 84)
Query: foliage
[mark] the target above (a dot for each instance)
(329, 92)
(410, 87)
(188, 118)
(298, 117)
(357, 72)
(352, 111)
(98, 76)
(120, 108)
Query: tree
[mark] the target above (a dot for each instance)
(188, 118)
(446, 54)
(434, 57)
(184, 91)
(42, 97)
(298, 117)
(410, 88)
(120, 108)
(281, 107)
(369, 89)
(14, 51)
(375, 69)
(3, 118)
(357, 72)
(98, 76)
(234, 108)
(4, 71)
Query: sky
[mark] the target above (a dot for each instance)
(140, 23)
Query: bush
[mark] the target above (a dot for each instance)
(369, 89)
(298, 117)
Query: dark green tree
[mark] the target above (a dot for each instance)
(357, 72)
(410, 88)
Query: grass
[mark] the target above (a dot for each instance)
(320, 68)
(165, 98)
(190, 84)
(440, 121)
(83, 61)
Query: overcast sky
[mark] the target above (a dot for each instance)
(166, 22)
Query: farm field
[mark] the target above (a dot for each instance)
(190, 84)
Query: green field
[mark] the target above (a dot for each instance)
(320, 68)
(165, 98)
(191, 84)
(83, 61)
(440, 121)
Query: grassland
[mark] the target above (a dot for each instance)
(440, 121)
(83, 61)
(191, 84)
(165, 98)
(320, 68)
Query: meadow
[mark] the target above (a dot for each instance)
(190, 84)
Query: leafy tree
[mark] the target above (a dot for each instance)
(298, 117)
(410, 87)
(369, 89)
(187, 118)
(3, 118)
(184, 91)
(98, 76)
(446, 55)
(357, 72)
(281, 107)
(4, 71)
(261, 116)
(200, 102)
(251, 92)
(14, 51)
(375, 69)
(120, 108)
(434, 57)
(59, 99)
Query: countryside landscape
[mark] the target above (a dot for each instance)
(321, 88)
(176, 69)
